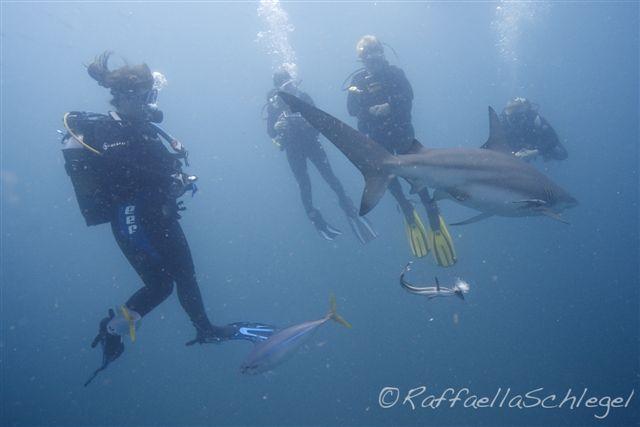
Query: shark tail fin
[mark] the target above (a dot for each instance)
(375, 185)
(497, 138)
(333, 313)
(371, 158)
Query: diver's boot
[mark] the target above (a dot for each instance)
(360, 225)
(438, 237)
(326, 231)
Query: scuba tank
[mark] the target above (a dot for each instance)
(88, 136)
(85, 169)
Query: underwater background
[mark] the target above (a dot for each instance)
(551, 305)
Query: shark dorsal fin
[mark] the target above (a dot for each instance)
(497, 138)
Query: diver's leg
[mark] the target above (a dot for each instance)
(179, 263)
(133, 240)
(405, 205)
(319, 158)
(298, 164)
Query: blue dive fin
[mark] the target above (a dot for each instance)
(251, 331)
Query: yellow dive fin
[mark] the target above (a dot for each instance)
(333, 314)
(441, 243)
(417, 236)
(130, 321)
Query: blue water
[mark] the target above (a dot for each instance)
(551, 305)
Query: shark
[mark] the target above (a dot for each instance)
(489, 179)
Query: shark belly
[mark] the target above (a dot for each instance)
(499, 201)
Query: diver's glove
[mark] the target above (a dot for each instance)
(112, 345)
(380, 110)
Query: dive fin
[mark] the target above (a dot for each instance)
(476, 218)
(441, 243)
(437, 284)
(497, 139)
(251, 331)
(416, 235)
(362, 228)
(130, 320)
(438, 237)
(333, 314)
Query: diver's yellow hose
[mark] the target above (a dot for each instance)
(76, 137)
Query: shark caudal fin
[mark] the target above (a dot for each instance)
(333, 314)
(371, 159)
(497, 137)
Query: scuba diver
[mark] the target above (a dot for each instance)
(290, 132)
(528, 133)
(381, 98)
(123, 174)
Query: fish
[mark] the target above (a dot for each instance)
(460, 287)
(268, 354)
(487, 180)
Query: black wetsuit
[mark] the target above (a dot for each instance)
(394, 130)
(528, 130)
(136, 174)
(300, 140)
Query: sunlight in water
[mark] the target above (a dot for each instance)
(512, 20)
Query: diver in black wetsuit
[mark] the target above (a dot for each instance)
(528, 133)
(123, 174)
(381, 98)
(293, 134)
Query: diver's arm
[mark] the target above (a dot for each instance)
(272, 118)
(551, 148)
(401, 97)
(354, 96)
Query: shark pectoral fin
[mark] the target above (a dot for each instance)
(554, 215)
(497, 139)
(479, 217)
(374, 188)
